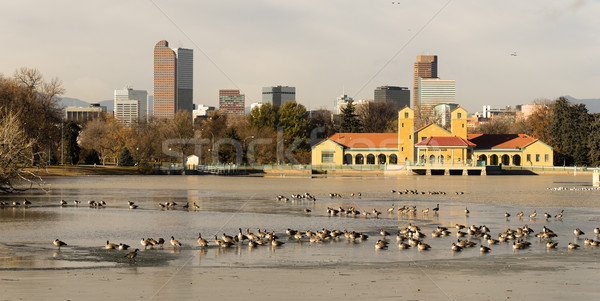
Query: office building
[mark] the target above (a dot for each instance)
(434, 91)
(84, 114)
(173, 80)
(399, 96)
(441, 113)
(341, 102)
(278, 95)
(231, 102)
(131, 105)
(425, 67)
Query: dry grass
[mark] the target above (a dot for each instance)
(85, 170)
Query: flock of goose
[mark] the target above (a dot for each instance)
(406, 237)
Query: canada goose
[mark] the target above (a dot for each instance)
(376, 213)
(298, 235)
(384, 233)
(76, 202)
(436, 209)
(381, 244)
(241, 237)
(218, 241)
(59, 243)
(533, 215)
(132, 206)
(573, 246)
(26, 202)
(546, 215)
(251, 244)
(596, 231)
(174, 242)
(467, 210)
(484, 249)
(506, 214)
(201, 241)
(560, 215)
(161, 205)
(63, 202)
(152, 241)
(129, 203)
(460, 234)
(196, 207)
(492, 241)
(161, 241)
(426, 211)
(251, 236)
(459, 227)
(144, 243)
(290, 232)
(578, 232)
(15, 203)
(307, 211)
(110, 246)
(551, 244)
(132, 255)
(403, 246)
(314, 239)
(123, 246)
(456, 248)
(391, 209)
(423, 246)
(227, 238)
(520, 214)
(276, 243)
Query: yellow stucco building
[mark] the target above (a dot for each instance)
(431, 145)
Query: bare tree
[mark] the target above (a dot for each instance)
(15, 153)
(377, 117)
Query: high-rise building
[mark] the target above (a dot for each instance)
(399, 96)
(231, 102)
(425, 67)
(341, 102)
(278, 95)
(173, 80)
(433, 91)
(131, 105)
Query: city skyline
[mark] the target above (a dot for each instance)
(323, 49)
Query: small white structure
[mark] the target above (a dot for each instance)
(192, 161)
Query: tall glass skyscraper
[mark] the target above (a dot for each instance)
(425, 67)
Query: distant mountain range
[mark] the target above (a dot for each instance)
(592, 105)
(74, 102)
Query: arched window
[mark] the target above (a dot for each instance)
(517, 160)
(432, 159)
(493, 160)
(505, 160)
(381, 158)
(370, 159)
(347, 159)
(359, 159)
(393, 159)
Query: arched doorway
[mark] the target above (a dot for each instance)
(370, 159)
(441, 159)
(359, 159)
(347, 159)
(381, 159)
(393, 159)
(493, 160)
(483, 158)
(505, 160)
(517, 160)
(432, 159)
(423, 159)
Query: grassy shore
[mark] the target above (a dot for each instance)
(86, 170)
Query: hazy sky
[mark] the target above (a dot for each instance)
(322, 47)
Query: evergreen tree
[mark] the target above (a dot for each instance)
(70, 135)
(91, 157)
(568, 133)
(293, 118)
(594, 140)
(264, 116)
(350, 122)
(125, 158)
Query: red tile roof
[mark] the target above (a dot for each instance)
(489, 141)
(357, 140)
(446, 141)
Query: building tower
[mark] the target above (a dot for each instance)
(398, 96)
(425, 67)
(231, 102)
(173, 80)
(131, 105)
(433, 91)
(459, 122)
(278, 95)
(406, 131)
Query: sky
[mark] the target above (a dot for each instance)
(322, 47)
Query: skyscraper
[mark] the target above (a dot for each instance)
(434, 91)
(173, 80)
(231, 102)
(399, 96)
(425, 67)
(131, 105)
(278, 95)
